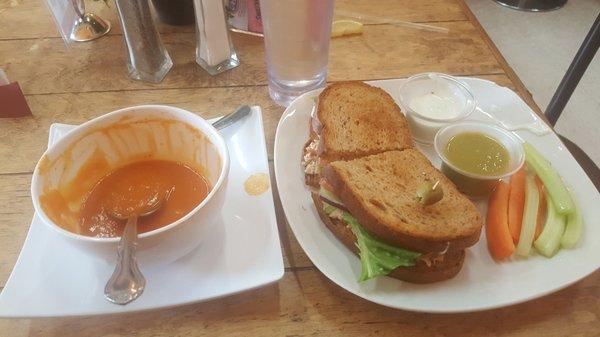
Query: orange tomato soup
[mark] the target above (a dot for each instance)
(131, 187)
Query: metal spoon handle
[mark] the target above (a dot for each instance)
(231, 118)
(127, 282)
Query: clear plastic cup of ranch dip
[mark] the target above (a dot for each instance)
(432, 101)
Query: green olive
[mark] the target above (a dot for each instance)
(428, 193)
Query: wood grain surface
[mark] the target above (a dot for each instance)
(45, 66)
(306, 303)
(30, 19)
(25, 139)
(75, 84)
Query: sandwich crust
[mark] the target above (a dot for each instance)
(380, 191)
(421, 272)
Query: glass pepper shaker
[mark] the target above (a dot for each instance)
(214, 49)
(149, 61)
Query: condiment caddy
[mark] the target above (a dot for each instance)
(147, 57)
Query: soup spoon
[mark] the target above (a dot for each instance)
(127, 282)
(231, 118)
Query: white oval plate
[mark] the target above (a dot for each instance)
(482, 283)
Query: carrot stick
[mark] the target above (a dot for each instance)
(541, 215)
(516, 203)
(499, 240)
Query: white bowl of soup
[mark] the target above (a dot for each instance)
(145, 149)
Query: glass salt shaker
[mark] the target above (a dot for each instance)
(214, 49)
(149, 61)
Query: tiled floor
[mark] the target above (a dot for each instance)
(540, 47)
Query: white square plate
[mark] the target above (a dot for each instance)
(51, 278)
(482, 283)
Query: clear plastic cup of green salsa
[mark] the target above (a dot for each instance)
(475, 156)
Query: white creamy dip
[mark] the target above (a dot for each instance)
(432, 101)
(435, 106)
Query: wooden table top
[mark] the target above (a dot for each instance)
(89, 79)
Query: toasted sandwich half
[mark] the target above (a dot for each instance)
(352, 120)
(371, 205)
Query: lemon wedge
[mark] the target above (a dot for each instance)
(346, 27)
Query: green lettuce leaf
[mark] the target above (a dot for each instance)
(377, 258)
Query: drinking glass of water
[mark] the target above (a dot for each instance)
(297, 34)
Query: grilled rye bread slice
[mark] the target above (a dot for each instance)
(353, 120)
(358, 120)
(380, 191)
(443, 268)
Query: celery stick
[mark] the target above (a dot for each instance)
(532, 201)
(548, 242)
(574, 226)
(551, 179)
